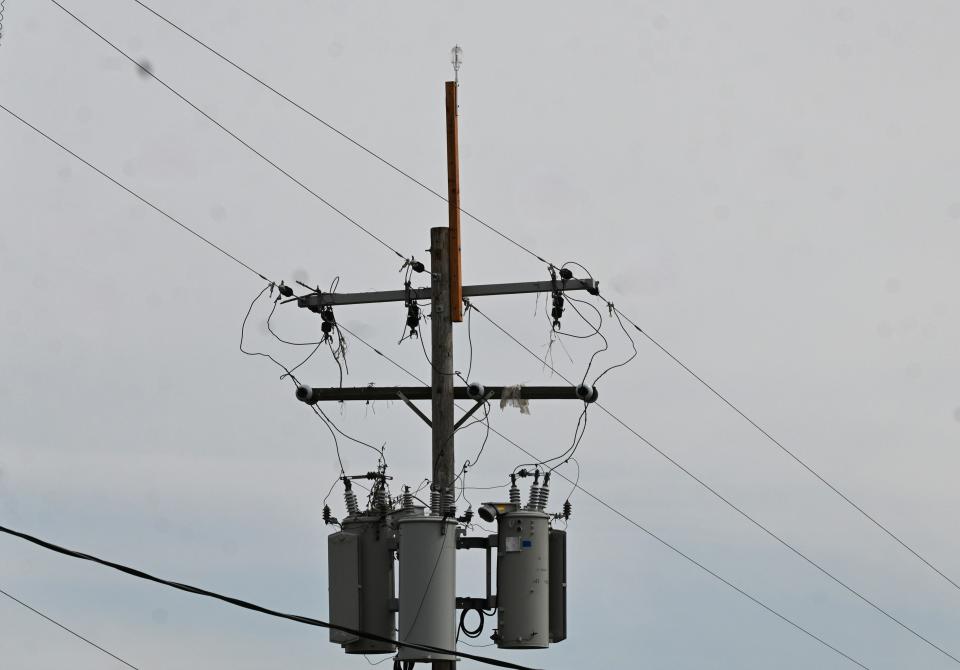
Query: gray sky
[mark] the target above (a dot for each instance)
(769, 188)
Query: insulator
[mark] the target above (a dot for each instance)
(467, 516)
(544, 497)
(567, 509)
(326, 514)
(566, 274)
(326, 327)
(380, 498)
(534, 498)
(435, 502)
(558, 300)
(515, 494)
(285, 291)
(417, 266)
(350, 498)
(407, 498)
(449, 505)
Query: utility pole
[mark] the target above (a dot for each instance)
(446, 294)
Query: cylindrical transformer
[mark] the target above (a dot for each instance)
(523, 580)
(428, 586)
(361, 580)
(558, 585)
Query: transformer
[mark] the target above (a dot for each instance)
(361, 583)
(428, 581)
(523, 579)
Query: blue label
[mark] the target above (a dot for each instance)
(527, 544)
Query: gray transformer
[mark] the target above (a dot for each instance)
(427, 553)
(523, 580)
(361, 583)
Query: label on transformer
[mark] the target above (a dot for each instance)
(511, 543)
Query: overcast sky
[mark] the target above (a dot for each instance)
(770, 188)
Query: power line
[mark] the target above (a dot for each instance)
(72, 632)
(529, 251)
(230, 132)
(132, 192)
(785, 450)
(727, 501)
(251, 606)
(336, 130)
(631, 521)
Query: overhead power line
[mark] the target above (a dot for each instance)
(726, 500)
(534, 254)
(132, 192)
(251, 606)
(72, 632)
(787, 451)
(633, 522)
(348, 138)
(229, 132)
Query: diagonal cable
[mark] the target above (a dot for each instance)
(132, 192)
(727, 501)
(251, 606)
(72, 632)
(231, 133)
(634, 523)
(529, 251)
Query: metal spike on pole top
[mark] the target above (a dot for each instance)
(456, 57)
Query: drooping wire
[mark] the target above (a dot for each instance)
(248, 605)
(703, 484)
(57, 623)
(540, 258)
(642, 528)
(288, 175)
(133, 193)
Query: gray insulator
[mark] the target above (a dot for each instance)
(407, 499)
(351, 499)
(380, 499)
(435, 502)
(515, 495)
(449, 504)
(544, 497)
(534, 496)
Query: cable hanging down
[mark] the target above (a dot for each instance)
(639, 526)
(540, 258)
(251, 606)
(738, 509)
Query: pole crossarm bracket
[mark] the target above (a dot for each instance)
(312, 396)
(314, 301)
(416, 410)
(480, 403)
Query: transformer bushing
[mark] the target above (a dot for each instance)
(523, 580)
(428, 581)
(361, 584)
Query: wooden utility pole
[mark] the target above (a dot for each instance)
(453, 200)
(446, 295)
(441, 341)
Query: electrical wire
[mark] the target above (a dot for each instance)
(339, 132)
(540, 258)
(251, 606)
(806, 466)
(229, 132)
(132, 192)
(736, 508)
(642, 528)
(72, 632)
